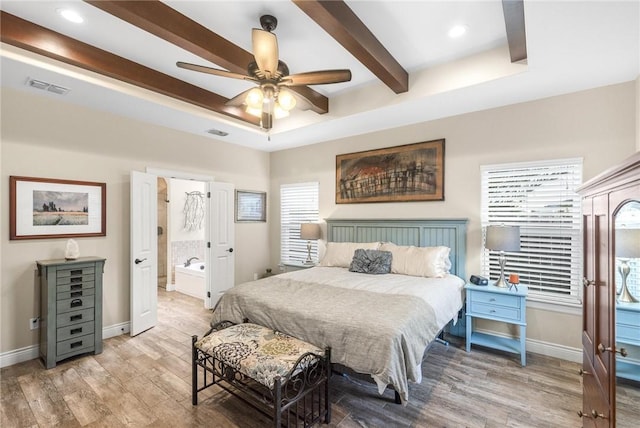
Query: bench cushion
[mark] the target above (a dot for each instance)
(255, 351)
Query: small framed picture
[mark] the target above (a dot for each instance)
(42, 208)
(251, 206)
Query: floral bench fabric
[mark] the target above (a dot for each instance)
(255, 351)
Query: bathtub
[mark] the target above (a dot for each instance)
(190, 280)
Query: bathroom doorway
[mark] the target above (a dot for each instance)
(185, 246)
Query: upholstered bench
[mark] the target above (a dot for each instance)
(283, 377)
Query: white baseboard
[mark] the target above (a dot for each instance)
(21, 355)
(545, 348)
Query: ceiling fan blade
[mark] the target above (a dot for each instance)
(214, 71)
(316, 78)
(265, 51)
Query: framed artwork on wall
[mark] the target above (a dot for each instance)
(52, 208)
(412, 172)
(251, 206)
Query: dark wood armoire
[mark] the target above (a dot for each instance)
(603, 196)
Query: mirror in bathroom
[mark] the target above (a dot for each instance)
(627, 316)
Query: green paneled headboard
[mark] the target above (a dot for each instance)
(450, 233)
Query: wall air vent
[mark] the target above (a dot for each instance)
(45, 86)
(217, 132)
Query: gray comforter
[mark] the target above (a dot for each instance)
(384, 335)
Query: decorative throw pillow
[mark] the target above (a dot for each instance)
(339, 254)
(431, 262)
(371, 261)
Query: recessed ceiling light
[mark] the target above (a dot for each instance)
(70, 15)
(457, 31)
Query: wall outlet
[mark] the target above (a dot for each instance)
(34, 323)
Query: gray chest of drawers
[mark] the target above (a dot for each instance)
(70, 308)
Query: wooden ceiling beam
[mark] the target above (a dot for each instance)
(516, 35)
(337, 19)
(162, 21)
(31, 37)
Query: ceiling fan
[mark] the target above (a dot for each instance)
(271, 98)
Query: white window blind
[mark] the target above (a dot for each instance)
(540, 198)
(298, 204)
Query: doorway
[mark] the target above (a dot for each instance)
(218, 232)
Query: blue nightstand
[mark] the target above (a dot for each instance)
(497, 304)
(628, 333)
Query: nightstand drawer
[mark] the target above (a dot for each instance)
(631, 318)
(495, 299)
(494, 311)
(628, 334)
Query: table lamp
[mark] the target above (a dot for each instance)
(627, 247)
(309, 231)
(502, 238)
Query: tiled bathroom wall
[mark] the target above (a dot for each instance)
(183, 250)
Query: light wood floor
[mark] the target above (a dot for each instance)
(145, 382)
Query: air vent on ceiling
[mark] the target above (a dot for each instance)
(45, 86)
(218, 132)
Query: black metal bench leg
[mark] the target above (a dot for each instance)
(397, 399)
(194, 371)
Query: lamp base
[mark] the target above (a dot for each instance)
(625, 295)
(501, 282)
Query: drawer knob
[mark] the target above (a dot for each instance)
(75, 317)
(492, 299)
(623, 352)
(492, 311)
(587, 282)
(76, 302)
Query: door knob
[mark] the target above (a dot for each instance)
(138, 261)
(597, 415)
(230, 250)
(623, 352)
(583, 372)
(587, 282)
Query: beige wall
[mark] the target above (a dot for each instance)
(43, 137)
(638, 114)
(597, 125)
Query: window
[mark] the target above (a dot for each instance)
(540, 198)
(298, 204)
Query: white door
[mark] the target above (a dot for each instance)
(221, 255)
(144, 243)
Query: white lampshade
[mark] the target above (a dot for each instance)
(310, 231)
(628, 243)
(503, 238)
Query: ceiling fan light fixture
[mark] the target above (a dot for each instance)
(279, 112)
(286, 100)
(254, 98)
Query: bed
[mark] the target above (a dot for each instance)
(379, 325)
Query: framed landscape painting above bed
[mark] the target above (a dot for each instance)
(412, 172)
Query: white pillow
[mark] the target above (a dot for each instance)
(340, 254)
(431, 262)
